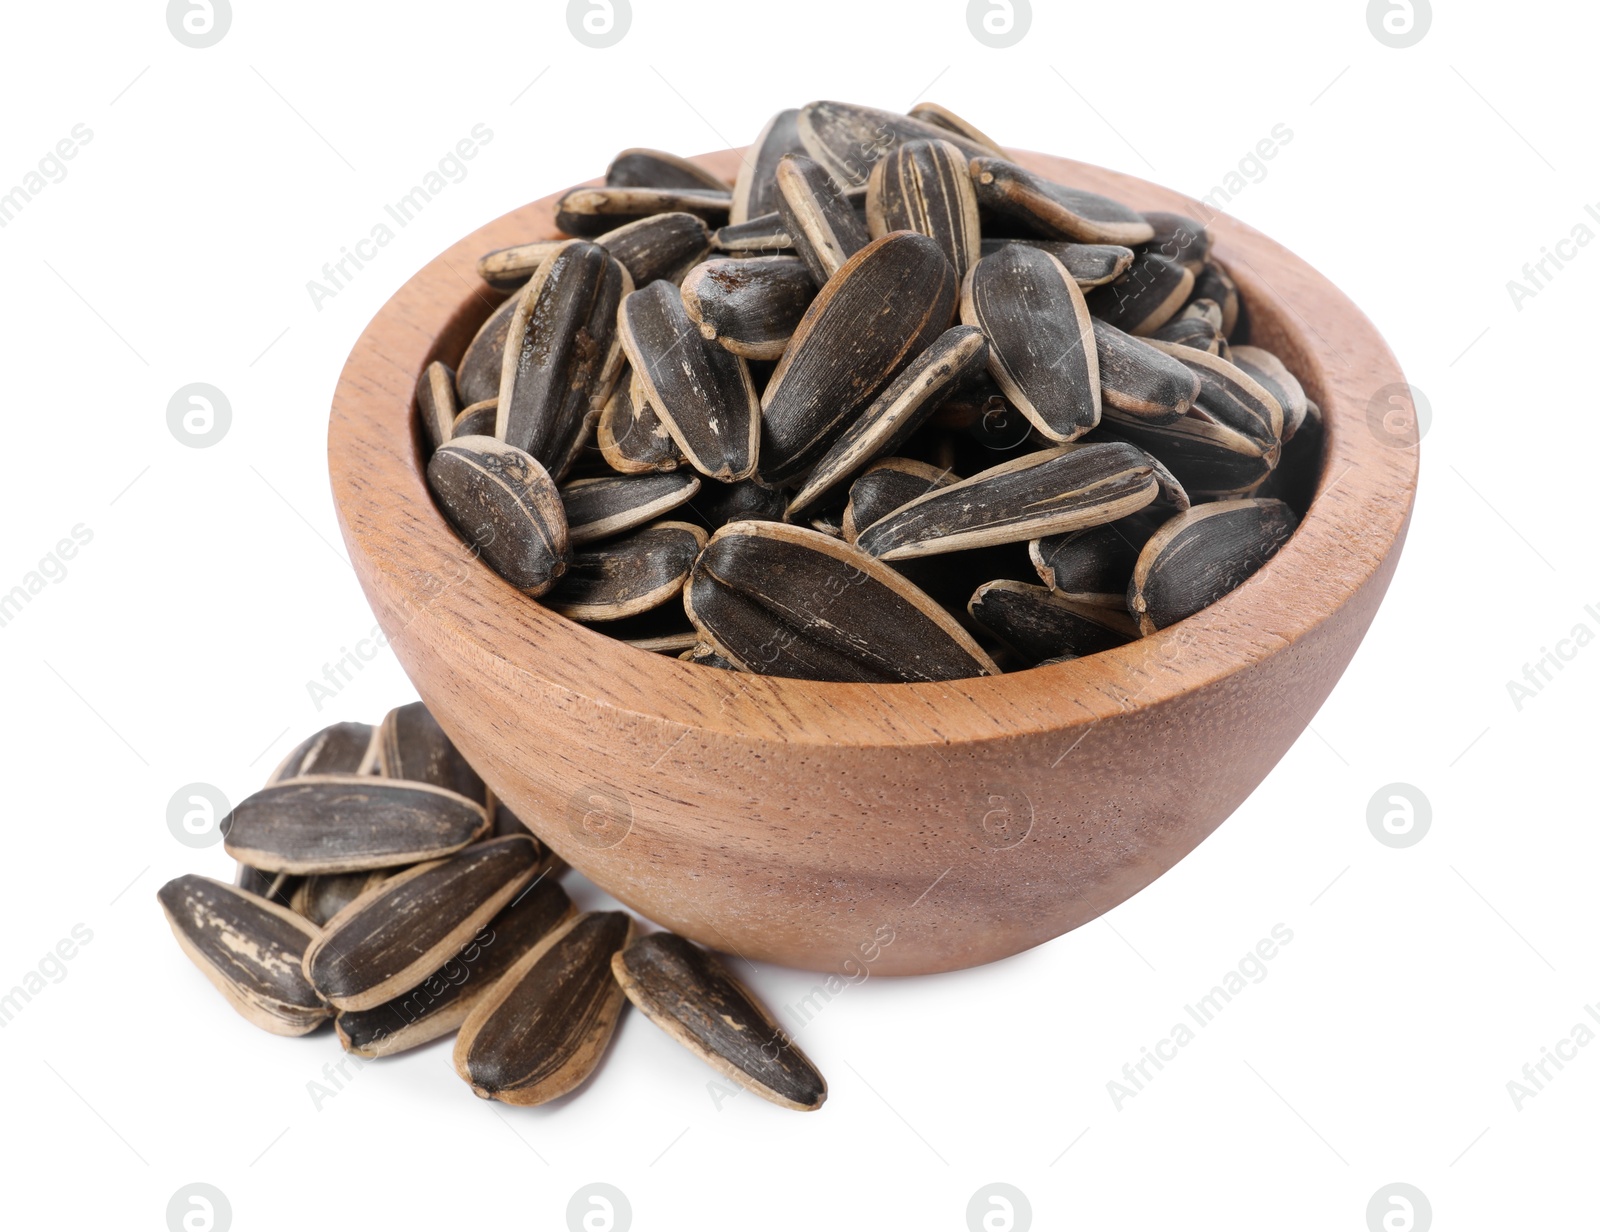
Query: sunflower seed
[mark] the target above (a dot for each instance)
(588, 212)
(1054, 210)
(1094, 565)
(1041, 339)
(1139, 381)
(321, 897)
(662, 246)
(624, 577)
(749, 306)
(826, 230)
(1039, 624)
(755, 190)
(1196, 332)
(442, 1001)
(1232, 397)
(1144, 299)
(1270, 372)
(706, 655)
(561, 355)
(1180, 239)
(883, 308)
(897, 412)
(1200, 556)
(279, 888)
(745, 501)
(765, 235)
(662, 630)
(600, 508)
(543, 1028)
(789, 601)
(690, 995)
(1091, 265)
(947, 120)
(398, 933)
(478, 374)
(345, 823)
(1213, 282)
(631, 436)
(412, 746)
(477, 419)
(847, 140)
(1207, 310)
(506, 269)
(249, 949)
(923, 186)
(1209, 458)
(344, 748)
(436, 403)
(644, 168)
(1045, 493)
(887, 486)
(702, 393)
(506, 506)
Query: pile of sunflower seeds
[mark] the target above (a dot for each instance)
(383, 887)
(840, 419)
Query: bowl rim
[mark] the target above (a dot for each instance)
(399, 540)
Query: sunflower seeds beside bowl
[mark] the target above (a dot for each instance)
(342, 748)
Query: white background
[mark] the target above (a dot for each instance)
(178, 646)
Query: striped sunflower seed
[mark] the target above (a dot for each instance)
(1054, 210)
(442, 1001)
(343, 748)
(436, 403)
(755, 190)
(477, 419)
(1150, 294)
(1045, 493)
(887, 486)
(764, 235)
(478, 374)
(1270, 372)
(506, 506)
(1091, 265)
(789, 601)
(627, 576)
(1094, 565)
(924, 186)
(691, 995)
(1180, 239)
(661, 246)
(507, 269)
(412, 746)
(745, 501)
(882, 309)
(646, 168)
(346, 823)
(701, 392)
(631, 436)
(1209, 458)
(749, 306)
(947, 120)
(1213, 282)
(826, 231)
(1200, 556)
(1139, 381)
(561, 356)
(249, 949)
(848, 140)
(1042, 352)
(600, 508)
(1039, 624)
(589, 212)
(321, 897)
(543, 1028)
(897, 412)
(401, 931)
(1196, 332)
(1231, 396)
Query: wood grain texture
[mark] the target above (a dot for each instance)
(793, 819)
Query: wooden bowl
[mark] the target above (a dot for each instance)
(906, 828)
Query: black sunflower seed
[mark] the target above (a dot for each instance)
(477, 419)
(1094, 565)
(630, 434)
(948, 121)
(1144, 299)
(1213, 282)
(1198, 557)
(646, 168)
(478, 374)
(506, 506)
(755, 190)
(1270, 372)
(749, 306)
(1091, 265)
(848, 140)
(412, 745)
(343, 748)
(1040, 624)
(826, 231)
(600, 508)
(764, 235)
(588, 212)
(1054, 210)
(627, 576)
(1179, 238)
(436, 403)
(1139, 381)
(885, 487)
(924, 186)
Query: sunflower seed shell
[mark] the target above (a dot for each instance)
(600, 508)
(924, 186)
(506, 506)
(627, 576)
(1202, 555)
(826, 230)
(751, 305)
(1054, 210)
(1039, 624)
